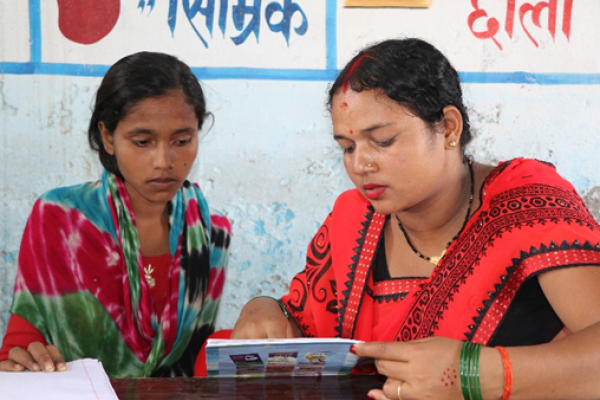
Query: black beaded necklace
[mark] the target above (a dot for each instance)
(436, 260)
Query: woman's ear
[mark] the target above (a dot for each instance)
(107, 138)
(453, 125)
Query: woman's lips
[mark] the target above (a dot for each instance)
(162, 183)
(373, 192)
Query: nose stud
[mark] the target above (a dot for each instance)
(369, 165)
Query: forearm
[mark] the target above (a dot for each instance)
(565, 369)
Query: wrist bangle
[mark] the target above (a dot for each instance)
(283, 308)
(508, 373)
(469, 371)
(281, 304)
(464, 371)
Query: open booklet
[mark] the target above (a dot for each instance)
(276, 357)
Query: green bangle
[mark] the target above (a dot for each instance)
(282, 305)
(475, 383)
(464, 373)
(469, 371)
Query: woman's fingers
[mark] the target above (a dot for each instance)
(381, 350)
(59, 362)
(40, 354)
(37, 357)
(22, 357)
(377, 394)
(11, 366)
(392, 389)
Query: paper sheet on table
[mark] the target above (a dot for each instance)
(83, 379)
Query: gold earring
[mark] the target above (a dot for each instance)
(452, 143)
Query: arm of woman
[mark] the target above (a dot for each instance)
(21, 335)
(567, 368)
(562, 369)
(263, 317)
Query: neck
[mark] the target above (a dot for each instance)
(145, 211)
(431, 225)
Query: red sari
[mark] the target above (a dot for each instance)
(483, 290)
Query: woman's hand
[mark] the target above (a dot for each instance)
(262, 318)
(426, 369)
(37, 357)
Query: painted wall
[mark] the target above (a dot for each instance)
(531, 73)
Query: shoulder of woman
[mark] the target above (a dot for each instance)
(526, 170)
(71, 194)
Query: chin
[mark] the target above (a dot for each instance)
(382, 208)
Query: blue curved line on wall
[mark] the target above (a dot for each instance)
(36, 66)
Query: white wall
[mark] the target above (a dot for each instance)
(269, 161)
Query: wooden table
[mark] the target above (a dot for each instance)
(273, 388)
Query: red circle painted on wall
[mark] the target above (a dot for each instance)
(87, 21)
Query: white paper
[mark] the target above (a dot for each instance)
(83, 379)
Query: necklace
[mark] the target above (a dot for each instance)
(436, 260)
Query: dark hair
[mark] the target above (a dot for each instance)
(411, 72)
(132, 79)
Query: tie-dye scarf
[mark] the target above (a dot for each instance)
(81, 283)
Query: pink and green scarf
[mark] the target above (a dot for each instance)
(81, 283)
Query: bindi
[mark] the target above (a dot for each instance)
(351, 131)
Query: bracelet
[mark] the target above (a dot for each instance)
(464, 380)
(469, 371)
(475, 381)
(508, 373)
(281, 304)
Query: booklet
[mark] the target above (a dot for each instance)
(277, 357)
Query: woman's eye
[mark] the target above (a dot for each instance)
(182, 142)
(141, 143)
(385, 143)
(348, 149)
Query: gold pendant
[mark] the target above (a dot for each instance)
(436, 260)
(148, 275)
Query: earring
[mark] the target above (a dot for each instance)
(452, 143)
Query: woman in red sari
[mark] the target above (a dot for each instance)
(437, 261)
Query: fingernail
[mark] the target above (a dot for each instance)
(35, 367)
(370, 396)
(352, 349)
(61, 366)
(18, 367)
(49, 367)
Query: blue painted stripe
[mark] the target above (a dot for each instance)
(265, 74)
(35, 31)
(89, 70)
(521, 77)
(331, 34)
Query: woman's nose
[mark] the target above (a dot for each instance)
(163, 158)
(363, 161)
